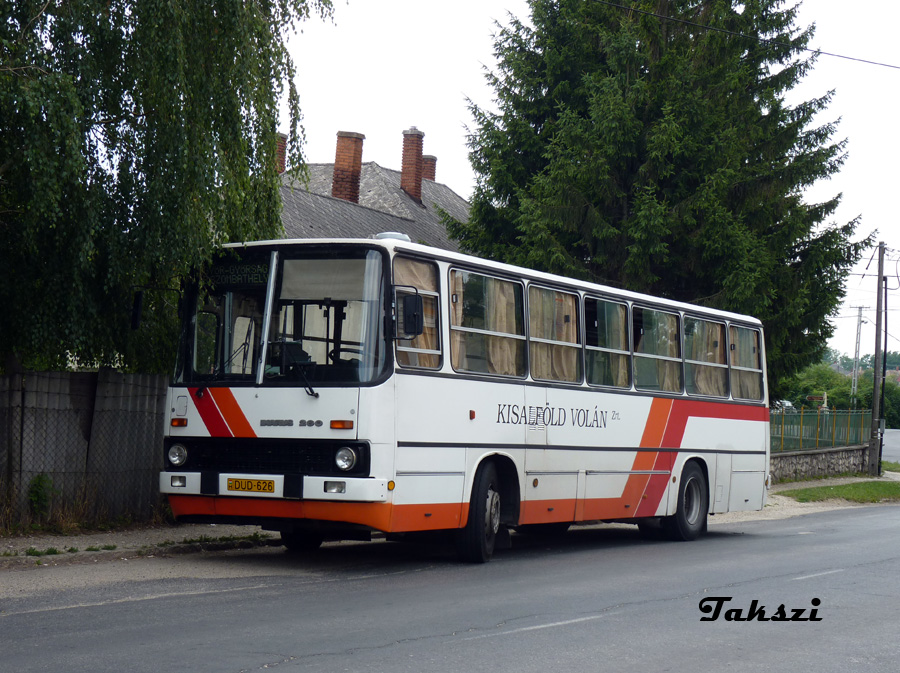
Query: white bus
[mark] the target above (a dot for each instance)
(327, 389)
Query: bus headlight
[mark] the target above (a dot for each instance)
(177, 455)
(345, 458)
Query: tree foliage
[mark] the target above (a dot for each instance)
(821, 379)
(650, 154)
(134, 138)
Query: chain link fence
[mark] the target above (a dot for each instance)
(810, 429)
(80, 447)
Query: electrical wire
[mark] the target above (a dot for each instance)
(747, 37)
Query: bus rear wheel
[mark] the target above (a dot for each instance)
(689, 520)
(477, 540)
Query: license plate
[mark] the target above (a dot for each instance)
(252, 485)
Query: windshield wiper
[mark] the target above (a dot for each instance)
(309, 389)
(243, 348)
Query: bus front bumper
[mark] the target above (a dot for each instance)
(292, 487)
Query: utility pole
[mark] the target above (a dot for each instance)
(854, 384)
(875, 440)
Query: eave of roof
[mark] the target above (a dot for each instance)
(309, 211)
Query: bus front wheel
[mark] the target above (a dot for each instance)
(689, 520)
(476, 541)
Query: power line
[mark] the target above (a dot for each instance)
(746, 37)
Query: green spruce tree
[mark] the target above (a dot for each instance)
(648, 144)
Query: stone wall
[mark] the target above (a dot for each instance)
(793, 465)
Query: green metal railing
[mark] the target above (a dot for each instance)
(810, 429)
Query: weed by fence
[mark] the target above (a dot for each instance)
(810, 429)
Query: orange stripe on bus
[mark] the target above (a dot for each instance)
(636, 484)
(408, 518)
(655, 427)
(598, 509)
(589, 509)
(376, 515)
(232, 412)
(547, 511)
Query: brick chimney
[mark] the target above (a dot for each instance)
(347, 166)
(429, 167)
(411, 166)
(280, 152)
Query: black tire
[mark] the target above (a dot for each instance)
(689, 520)
(301, 541)
(476, 541)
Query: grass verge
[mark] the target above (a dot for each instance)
(890, 466)
(865, 492)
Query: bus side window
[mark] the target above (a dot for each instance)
(705, 368)
(657, 350)
(607, 353)
(746, 364)
(425, 349)
(554, 342)
(487, 324)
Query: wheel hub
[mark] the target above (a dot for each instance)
(492, 512)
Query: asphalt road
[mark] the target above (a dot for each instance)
(600, 599)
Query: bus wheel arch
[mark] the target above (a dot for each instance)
(493, 505)
(510, 500)
(692, 508)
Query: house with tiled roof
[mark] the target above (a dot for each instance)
(352, 199)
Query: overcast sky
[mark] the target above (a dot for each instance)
(383, 66)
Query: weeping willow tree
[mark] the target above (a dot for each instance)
(649, 144)
(135, 136)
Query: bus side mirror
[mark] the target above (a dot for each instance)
(413, 316)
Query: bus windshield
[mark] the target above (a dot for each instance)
(326, 324)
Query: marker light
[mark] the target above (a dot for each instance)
(179, 422)
(341, 425)
(177, 455)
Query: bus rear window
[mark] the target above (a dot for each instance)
(746, 364)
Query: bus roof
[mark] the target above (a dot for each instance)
(392, 245)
